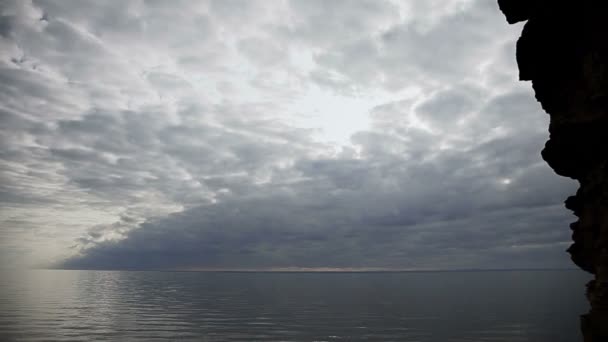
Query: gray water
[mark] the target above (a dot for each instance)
(425, 306)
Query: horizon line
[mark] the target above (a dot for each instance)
(313, 270)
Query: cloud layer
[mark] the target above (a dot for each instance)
(253, 134)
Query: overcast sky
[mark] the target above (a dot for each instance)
(271, 134)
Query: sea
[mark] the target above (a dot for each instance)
(58, 305)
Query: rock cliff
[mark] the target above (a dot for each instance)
(563, 50)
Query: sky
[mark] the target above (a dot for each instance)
(279, 134)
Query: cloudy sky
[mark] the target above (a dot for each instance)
(271, 134)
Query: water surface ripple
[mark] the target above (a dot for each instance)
(189, 306)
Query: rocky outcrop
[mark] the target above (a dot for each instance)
(563, 50)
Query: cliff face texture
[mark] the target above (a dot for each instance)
(563, 50)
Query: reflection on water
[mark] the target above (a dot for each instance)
(431, 306)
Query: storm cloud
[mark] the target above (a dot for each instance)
(260, 135)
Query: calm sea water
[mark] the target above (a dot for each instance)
(173, 306)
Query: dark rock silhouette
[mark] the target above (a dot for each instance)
(563, 50)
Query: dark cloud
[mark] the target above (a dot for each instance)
(453, 209)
